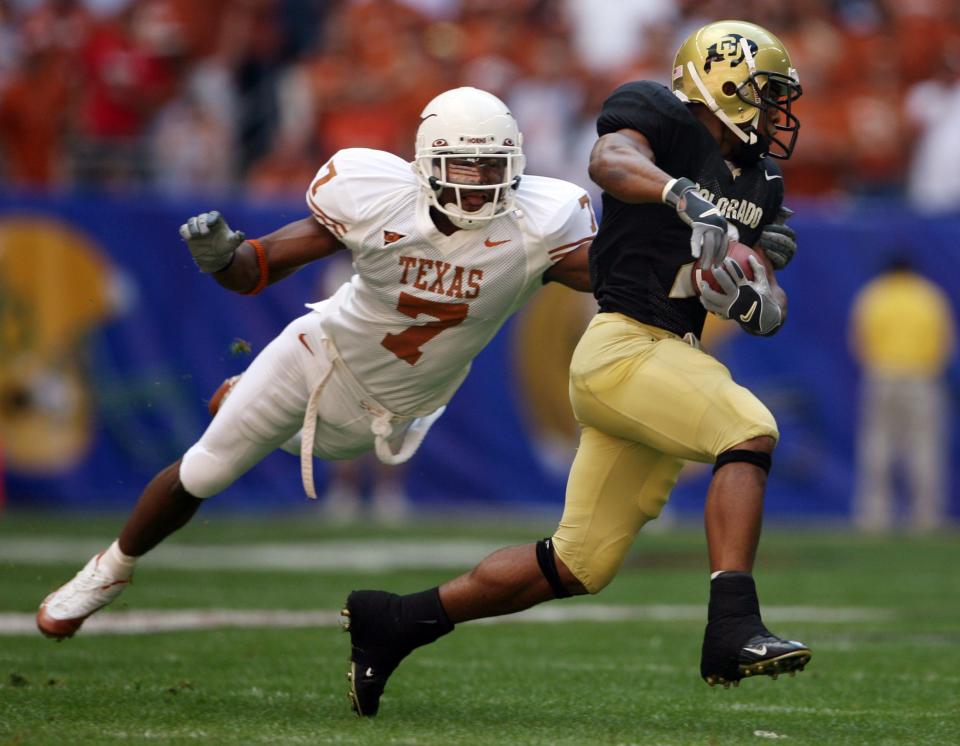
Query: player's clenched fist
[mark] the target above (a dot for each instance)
(708, 242)
(211, 241)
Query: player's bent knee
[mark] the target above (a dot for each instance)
(594, 571)
(203, 475)
(547, 560)
(600, 578)
(762, 443)
(602, 567)
(563, 579)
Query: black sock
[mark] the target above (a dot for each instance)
(733, 594)
(423, 618)
(733, 618)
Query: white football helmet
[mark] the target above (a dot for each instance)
(468, 141)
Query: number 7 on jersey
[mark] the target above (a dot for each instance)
(406, 345)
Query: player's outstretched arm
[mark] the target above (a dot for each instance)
(248, 266)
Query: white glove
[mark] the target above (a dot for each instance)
(748, 302)
(708, 237)
(211, 241)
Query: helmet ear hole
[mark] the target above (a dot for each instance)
(729, 88)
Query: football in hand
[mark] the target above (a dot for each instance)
(737, 251)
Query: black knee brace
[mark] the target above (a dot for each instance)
(757, 458)
(548, 566)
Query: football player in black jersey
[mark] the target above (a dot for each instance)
(682, 171)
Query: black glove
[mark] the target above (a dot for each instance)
(708, 241)
(778, 241)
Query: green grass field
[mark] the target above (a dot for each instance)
(882, 617)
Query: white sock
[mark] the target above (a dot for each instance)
(118, 564)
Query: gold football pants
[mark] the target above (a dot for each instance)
(646, 400)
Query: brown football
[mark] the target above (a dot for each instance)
(740, 252)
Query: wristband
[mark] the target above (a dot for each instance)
(666, 191)
(675, 189)
(262, 266)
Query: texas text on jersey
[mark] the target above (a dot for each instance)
(641, 249)
(422, 304)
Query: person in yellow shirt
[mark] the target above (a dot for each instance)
(902, 333)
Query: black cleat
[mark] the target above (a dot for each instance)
(763, 654)
(375, 650)
(736, 644)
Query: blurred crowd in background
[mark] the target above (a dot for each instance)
(251, 96)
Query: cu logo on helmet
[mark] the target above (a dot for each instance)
(728, 49)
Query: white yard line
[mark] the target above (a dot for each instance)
(145, 622)
(364, 555)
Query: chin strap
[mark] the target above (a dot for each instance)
(469, 220)
(719, 113)
(749, 139)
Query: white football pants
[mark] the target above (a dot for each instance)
(298, 371)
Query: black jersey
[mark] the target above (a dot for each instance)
(640, 249)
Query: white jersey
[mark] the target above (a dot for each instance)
(421, 304)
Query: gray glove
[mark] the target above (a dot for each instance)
(708, 241)
(211, 241)
(748, 302)
(778, 241)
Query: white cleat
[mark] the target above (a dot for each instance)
(64, 610)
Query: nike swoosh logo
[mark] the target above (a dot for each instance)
(369, 674)
(745, 318)
(762, 650)
(426, 621)
(771, 177)
(491, 244)
(304, 341)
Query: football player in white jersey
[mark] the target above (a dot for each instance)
(444, 250)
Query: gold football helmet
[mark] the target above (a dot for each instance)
(740, 71)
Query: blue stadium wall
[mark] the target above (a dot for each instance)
(170, 336)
